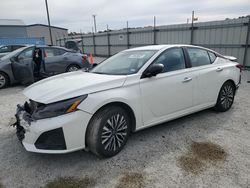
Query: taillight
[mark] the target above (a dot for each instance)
(239, 66)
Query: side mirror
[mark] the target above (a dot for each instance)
(12, 59)
(19, 58)
(153, 70)
(94, 65)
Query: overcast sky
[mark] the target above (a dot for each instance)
(76, 15)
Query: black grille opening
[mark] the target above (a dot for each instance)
(51, 140)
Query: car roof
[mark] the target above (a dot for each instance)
(45, 46)
(163, 46)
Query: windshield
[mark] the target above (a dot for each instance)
(124, 63)
(11, 54)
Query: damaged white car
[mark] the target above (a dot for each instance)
(134, 89)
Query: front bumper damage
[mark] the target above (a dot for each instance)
(61, 134)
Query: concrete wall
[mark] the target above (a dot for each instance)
(43, 31)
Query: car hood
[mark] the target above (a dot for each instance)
(69, 85)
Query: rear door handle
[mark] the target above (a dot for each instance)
(186, 79)
(219, 69)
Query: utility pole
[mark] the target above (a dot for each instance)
(128, 44)
(192, 27)
(154, 30)
(47, 9)
(94, 15)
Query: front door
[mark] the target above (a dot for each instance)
(170, 92)
(22, 66)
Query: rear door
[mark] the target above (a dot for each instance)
(208, 75)
(54, 60)
(169, 93)
(22, 66)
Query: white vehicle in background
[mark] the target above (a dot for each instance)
(133, 90)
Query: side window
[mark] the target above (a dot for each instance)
(49, 52)
(28, 53)
(5, 49)
(212, 56)
(16, 47)
(198, 57)
(59, 51)
(172, 59)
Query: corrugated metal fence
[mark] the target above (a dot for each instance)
(228, 37)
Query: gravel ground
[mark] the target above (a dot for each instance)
(206, 149)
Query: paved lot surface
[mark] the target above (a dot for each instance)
(206, 149)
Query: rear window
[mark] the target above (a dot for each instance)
(212, 56)
(198, 57)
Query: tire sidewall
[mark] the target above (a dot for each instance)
(111, 112)
(219, 105)
(6, 80)
(72, 65)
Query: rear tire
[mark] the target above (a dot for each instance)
(108, 131)
(4, 80)
(226, 97)
(72, 68)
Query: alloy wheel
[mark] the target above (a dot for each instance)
(73, 68)
(114, 132)
(227, 96)
(2, 81)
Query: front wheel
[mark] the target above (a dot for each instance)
(72, 68)
(4, 80)
(108, 131)
(226, 97)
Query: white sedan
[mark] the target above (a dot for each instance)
(132, 90)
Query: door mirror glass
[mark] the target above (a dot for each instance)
(153, 70)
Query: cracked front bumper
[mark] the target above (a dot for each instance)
(45, 135)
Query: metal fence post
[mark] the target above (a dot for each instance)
(128, 44)
(154, 31)
(246, 44)
(108, 40)
(82, 44)
(94, 43)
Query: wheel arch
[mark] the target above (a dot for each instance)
(231, 81)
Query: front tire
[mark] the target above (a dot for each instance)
(226, 97)
(72, 68)
(108, 131)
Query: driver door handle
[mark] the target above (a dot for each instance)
(187, 79)
(219, 69)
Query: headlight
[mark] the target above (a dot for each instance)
(58, 108)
